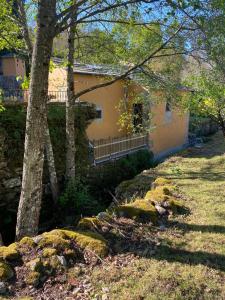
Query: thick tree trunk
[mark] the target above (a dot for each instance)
(70, 114)
(51, 167)
(31, 193)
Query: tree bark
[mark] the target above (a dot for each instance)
(1, 240)
(70, 114)
(31, 192)
(51, 167)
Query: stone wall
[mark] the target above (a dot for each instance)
(12, 132)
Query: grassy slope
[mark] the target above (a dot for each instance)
(190, 261)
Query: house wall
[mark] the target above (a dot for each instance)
(106, 99)
(12, 66)
(166, 134)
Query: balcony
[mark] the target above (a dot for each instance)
(115, 148)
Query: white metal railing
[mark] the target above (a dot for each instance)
(112, 148)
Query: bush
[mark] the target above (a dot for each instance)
(105, 178)
(76, 199)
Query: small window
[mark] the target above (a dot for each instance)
(98, 114)
(168, 107)
(168, 113)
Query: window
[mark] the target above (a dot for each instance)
(168, 113)
(98, 115)
(137, 116)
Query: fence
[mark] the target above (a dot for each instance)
(12, 95)
(113, 148)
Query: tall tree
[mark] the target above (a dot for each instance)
(70, 101)
(31, 193)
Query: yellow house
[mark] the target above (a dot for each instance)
(11, 67)
(170, 126)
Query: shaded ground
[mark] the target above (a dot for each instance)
(189, 262)
(184, 260)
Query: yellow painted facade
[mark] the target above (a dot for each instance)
(169, 131)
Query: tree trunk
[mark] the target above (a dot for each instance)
(51, 167)
(70, 114)
(1, 240)
(31, 192)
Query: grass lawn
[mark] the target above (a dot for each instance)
(190, 260)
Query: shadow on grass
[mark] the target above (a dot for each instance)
(170, 254)
(199, 228)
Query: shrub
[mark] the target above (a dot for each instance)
(77, 199)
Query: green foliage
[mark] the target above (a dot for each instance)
(208, 99)
(77, 199)
(10, 32)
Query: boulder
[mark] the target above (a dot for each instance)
(6, 271)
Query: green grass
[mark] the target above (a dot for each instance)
(190, 260)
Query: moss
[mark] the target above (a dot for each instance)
(141, 210)
(54, 240)
(48, 252)
(60, 239)
(70, 253)
(160, 193)
(160, 181)
(10, 252)
(6, 271)
(27, 241)
(136, 187)
(89, 223)
(35, 265)
(88, 240)
(33, 278)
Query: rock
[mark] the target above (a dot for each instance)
(37, 239)
(10, 252)
(3, 288)
(162, 227)
(48, 252)
(103, 216)
(62, 260)
(35, 265)
(5, 272)
(160, 209)
(12, 183)
(105, 290)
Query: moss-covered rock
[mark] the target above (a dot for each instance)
(6, 271)
(134, 188)
(88, 240)
(10, 252)
(48, 252)
(35, 265)
(140, 209)
(27, 241)
(160, 181)
(62, 239)
(160, 193)
(89, 223)
(53, 239)
(33, 278)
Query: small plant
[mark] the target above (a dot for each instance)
(77, 199)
